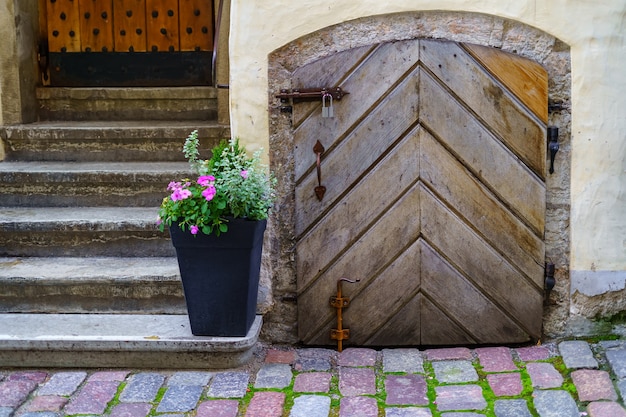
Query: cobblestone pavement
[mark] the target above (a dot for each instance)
(571, 378)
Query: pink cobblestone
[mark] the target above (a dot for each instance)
(218, 408)
(280, 356)
(266, 404)
(593, 385)
(131, 410)
(358, 406)
(108, 376)
(448, 354)
(357, 357)
(312, 382)
(605, 409)
(505, 385)
(357, 381)
(93, 398)
(544, 375)
(36, 377)
(13, 392)
(47, 403)
(496, 359)
(533, 353)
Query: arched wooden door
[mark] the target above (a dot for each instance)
(434, 166)
(88, 43)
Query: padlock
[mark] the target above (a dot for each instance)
(327, 111)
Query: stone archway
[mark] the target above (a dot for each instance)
(510, 36)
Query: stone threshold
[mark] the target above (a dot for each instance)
(117, 340)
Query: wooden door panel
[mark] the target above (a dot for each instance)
(162, 23)
(63, 26)
(453, 184)
(483, 154)
(345, 222)
(96, 26)
(384, 241)
(433, 201)
(367, 84)
(195, 25)
(129, 23)
(478, 90)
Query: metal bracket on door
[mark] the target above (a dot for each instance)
(310, 94)
(340, 302)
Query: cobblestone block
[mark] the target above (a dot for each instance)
(273, 375)
(62, 383)
(312, 382)
(406, 390)
(357, 357)
(505, 385)
(451, 372)
(280, 356)
(605, 409)
(533, 353)
(408, 412)
(190, 378)
(358, 407)
(457, 414)
(218, 408)
(142, 388)
(92, 398)
(310, 406)
(555, 403)
(131, 410)
(495, 359)
(403, 360)
(357, 381)
(229, 385)
(47, 403)
(14, 392)
(448, 354)
(460, 397)
(593, 385)
(617, 360)
(180, 399)
(544, 375)
(577, 354)
(314, 359)
(41, 414)
(266, 404)
(511, 408)
(621, 386)
(108, 376)
(6, 411)
(36, 377)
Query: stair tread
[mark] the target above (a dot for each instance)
(89, 268)
(93, 167)
(116, 124)
(115, 216)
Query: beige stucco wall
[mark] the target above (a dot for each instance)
(594, 30)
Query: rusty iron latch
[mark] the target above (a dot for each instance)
(320, 190)
(340, 302)
(310, 94)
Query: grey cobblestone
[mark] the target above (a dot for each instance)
(6, 411)
(511, 408)
(555, 403)
(142, 387)
(190, 378)
(62, 383)
(229, 385)
(577, 354)
(311, 406)
(274, 375)
(617, 360)
(408, 412)
(403, 360)
(451, 372)
(41, 414)
(180, 398)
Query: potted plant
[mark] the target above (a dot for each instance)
(216, 221)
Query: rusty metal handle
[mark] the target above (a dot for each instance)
(320, 189)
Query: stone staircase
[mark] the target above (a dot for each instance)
(86, 279)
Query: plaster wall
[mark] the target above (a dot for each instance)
(596, 34)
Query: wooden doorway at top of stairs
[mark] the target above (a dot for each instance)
(434, 167)
(126, 43)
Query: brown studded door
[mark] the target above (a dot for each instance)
(126, 42)
(434, 167)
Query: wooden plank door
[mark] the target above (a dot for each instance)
(134, 43)
(434, 167)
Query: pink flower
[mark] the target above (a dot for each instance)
(209, 193)
(180, 194)
(173, 185)
(206, 180)
(159, 221)
(244, 174)
(194, 230)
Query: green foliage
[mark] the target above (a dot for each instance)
(230, 184)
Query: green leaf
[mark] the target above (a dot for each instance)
(223, 227)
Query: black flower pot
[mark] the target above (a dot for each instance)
(220, 277)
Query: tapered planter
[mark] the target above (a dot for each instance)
(220, 276)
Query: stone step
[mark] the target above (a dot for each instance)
(110, 340)
(124, 103)
(145, 140)
(149, 285)
(82, 231)
(62, 184)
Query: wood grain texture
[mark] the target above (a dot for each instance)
(96, 26)
(196, 25)
(435, 200)
(129, 24)
(64, 34)
(162, 23)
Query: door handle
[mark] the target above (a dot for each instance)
(320, 189)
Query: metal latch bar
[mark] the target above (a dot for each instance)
(306, 94)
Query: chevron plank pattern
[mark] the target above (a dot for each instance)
(434, 166)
